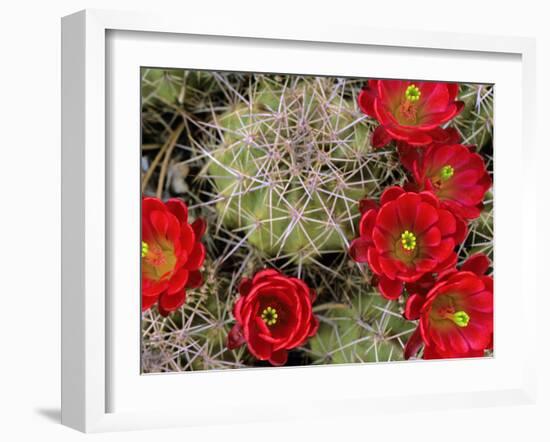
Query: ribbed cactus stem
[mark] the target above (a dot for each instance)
(290, 163)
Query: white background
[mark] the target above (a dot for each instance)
(30, 216)
(296, 389)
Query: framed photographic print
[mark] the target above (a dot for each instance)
(311, 221)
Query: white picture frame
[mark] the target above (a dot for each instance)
(94, 363)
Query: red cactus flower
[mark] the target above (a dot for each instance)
(409, 111)
(409, 236)
(171, 254)
(456, 175)
(408, 154)
(273, 315)
(456, 315)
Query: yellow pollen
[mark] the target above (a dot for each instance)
(446, 172)
(144, 249)
(412, 93)
(270, 316)
(408, 240)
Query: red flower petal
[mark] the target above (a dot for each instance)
(445, 136)
(407, 207)
(235, 338)
(194, 280)
(148, 301)
(453, 90)
(153, 288)
(459, 107)
(430, 198)
(159, 221)
(178, 209)
(408, 155)
(431, 238)
(478, 264)
(387, 219)
(461, 231)
(457, 341)
(488, 281)
(373, 261)
(414, 139)
(367, 223)
(365, 101)
(187, 238)
(258, 346)
(199, 227)
(481, 302)
(446, 223)
(390, 289)
(426, 217)
(367, 204)
(173, 229)
(178, 281)
(358, 250)
(388, 266)
(314, 326)
(245, 286)
(390, 194)
(413, 344)
(425, 265)
(413, 306)
(477, 334)
(447, 265)
(149, 205)
(263, 274)
(391, 91)
(196, 258)
(380, 137)
(436, 95)
(442, 251)
(382, 241)
(169, 303)
(278, 358)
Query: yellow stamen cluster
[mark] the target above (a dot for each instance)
(144, 249)
(408, 240)
(446, 172)
(461, 318)
(412, 93)
(270, 316)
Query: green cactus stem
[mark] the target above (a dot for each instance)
(291, 163)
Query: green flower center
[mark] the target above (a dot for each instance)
(446, 172)
(156, 256)
(412, 93)
(408, 240)
(460, 318)
(158, 259)
(144, 249)
(270, 316)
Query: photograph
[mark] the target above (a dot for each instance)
(298, 220)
